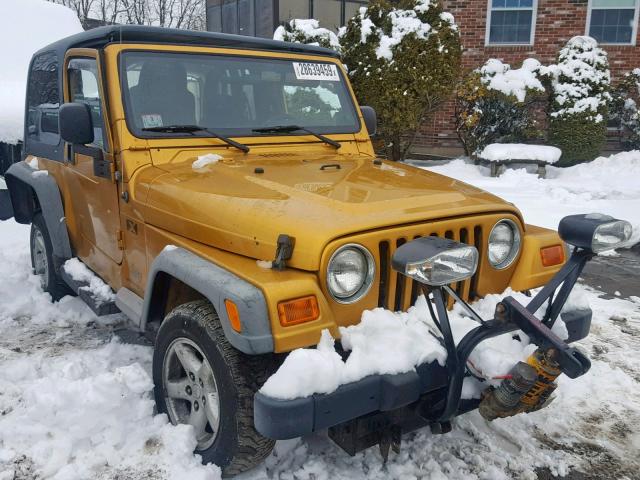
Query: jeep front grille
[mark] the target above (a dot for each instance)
(397, 292)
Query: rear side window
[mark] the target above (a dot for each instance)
(43, 99)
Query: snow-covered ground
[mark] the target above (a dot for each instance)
(609, 185)
(75, 402)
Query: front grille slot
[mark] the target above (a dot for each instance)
(399, 292)
(385, 267)
(401, 281)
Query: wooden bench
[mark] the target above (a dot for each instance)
(498, 167)
(498, 156)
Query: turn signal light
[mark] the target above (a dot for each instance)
(234, 316)
(298, 310)
(552, 255)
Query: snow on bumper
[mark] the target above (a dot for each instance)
(284, 419)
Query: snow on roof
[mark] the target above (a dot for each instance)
(497, 152)
(25, 27)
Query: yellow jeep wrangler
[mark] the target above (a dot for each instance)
(226, 190)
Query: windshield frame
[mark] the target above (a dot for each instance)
(147, 135)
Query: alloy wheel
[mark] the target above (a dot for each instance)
(191, 392)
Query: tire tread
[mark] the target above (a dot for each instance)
(249, 373)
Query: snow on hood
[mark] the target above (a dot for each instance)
(25, 27)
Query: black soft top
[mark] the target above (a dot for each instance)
(103, 36)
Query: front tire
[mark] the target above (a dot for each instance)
(200, 379)
(42, 259)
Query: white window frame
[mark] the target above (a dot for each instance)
(532, 37)
(634, 32)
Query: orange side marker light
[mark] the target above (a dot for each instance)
(234, 316)
(552, 255)
(298, 310)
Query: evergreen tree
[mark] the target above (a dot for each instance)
(403, 59)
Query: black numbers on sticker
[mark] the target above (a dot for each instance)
(320, 69)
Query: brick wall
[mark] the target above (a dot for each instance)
(556, 22)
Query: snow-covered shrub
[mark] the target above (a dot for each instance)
(403, 60)
(307, 31)
(579, 100)
(493, 104)
(625, 107)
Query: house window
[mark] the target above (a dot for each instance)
(613, 21)
(289, 9)
(511, 22)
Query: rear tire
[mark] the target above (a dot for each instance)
(215, 371)
(42, 260)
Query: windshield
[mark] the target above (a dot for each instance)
(233, 95)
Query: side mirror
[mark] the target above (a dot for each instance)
(76, 126)
(370, 119)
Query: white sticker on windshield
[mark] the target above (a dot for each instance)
(152, 120)
(316, 71)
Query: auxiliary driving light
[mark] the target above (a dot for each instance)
(436, 261)
(594, 231)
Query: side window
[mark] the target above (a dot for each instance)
(84, 88)
(43, 100)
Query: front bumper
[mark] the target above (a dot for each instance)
(284, 419)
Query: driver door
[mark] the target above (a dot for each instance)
(94, 217)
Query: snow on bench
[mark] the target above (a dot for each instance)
(498, 155)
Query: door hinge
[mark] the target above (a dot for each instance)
(120, 239)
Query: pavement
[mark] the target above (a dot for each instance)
(617, 276)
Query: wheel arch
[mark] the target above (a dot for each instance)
(28, 192)
(178, 276)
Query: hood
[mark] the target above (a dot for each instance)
(230, 205)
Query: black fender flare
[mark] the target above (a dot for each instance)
(216, 284)
(30, 190)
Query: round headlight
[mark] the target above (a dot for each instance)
(350, 273)
(504, 244)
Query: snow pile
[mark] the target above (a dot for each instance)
(82, 411)
(517, 82)
(496, 152)
(383, 342)
(79, 272)
(386, 342)
(27, 26)
(581, 79)
(307, 31)
(34, 163)
(606, 185)
(75, 403)
(266, 264)
(206, 160)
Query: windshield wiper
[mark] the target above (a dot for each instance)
(294, 128)
(195, 128)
